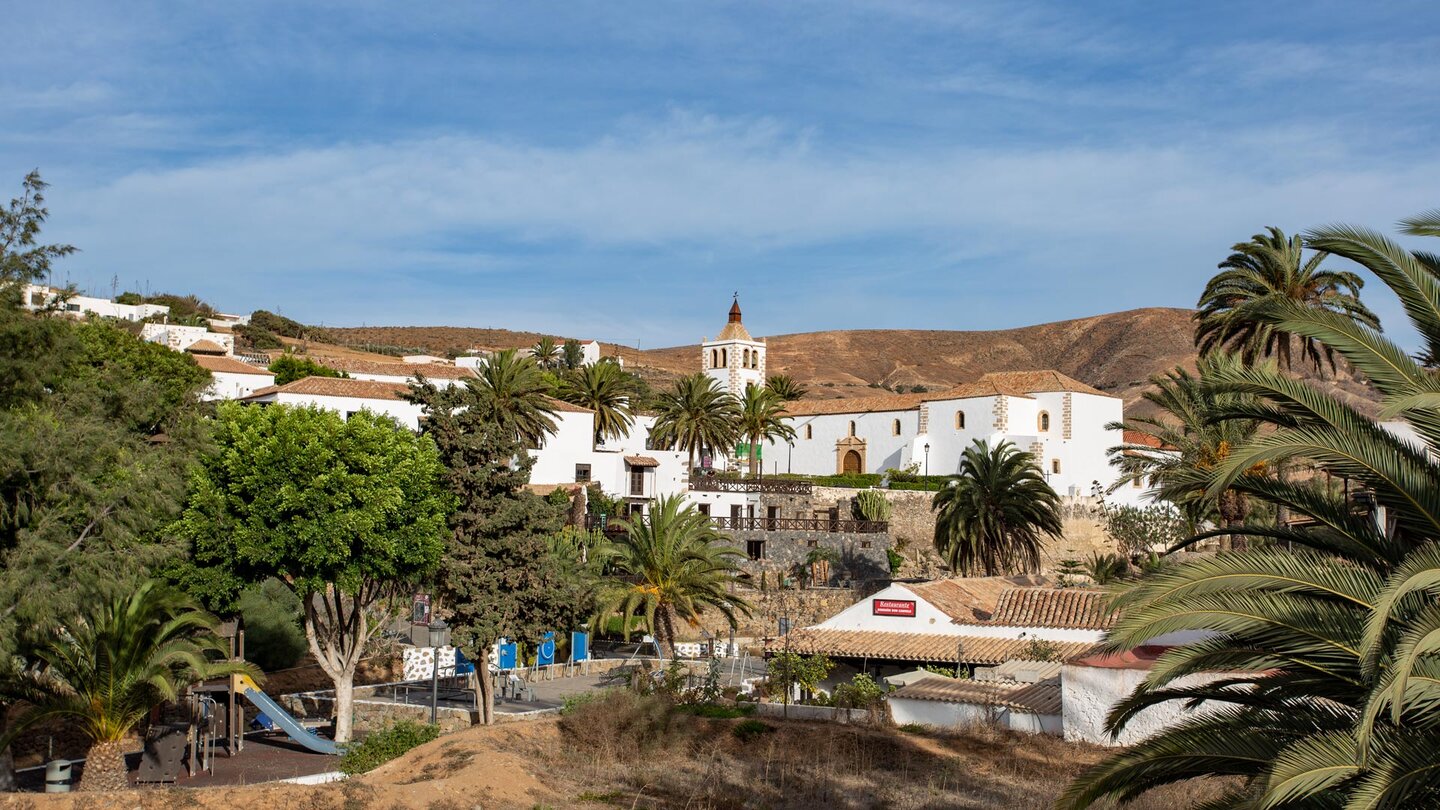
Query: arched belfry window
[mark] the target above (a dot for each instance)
(852, 427)
(745, 359)
(1044, 421)
(725, 358)
(959, 420)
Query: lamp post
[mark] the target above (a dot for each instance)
(927, 459)
(439, 635)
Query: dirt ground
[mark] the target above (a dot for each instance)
(632, 754)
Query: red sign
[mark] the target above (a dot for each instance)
(893, 607)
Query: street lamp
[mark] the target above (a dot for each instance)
(439, 637)
(927, 459)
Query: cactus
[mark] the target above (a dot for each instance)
(870, 504)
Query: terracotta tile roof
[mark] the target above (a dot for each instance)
(1073, 608)
(1142, 657)
(641, 461)
(229, 365)
(1141, 437)
(336, 387)
(567, 407)
(205, 347)
(1044, 381)
(981, 388)
(819, 407)
(970, 600)
(921, 647)
(1035, 698)
(432, 371)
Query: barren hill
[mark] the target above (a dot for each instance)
(1116, 353)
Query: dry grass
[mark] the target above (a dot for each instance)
(628, 752)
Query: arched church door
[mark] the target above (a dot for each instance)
(850, 465)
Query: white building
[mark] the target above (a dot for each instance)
(38, 296)
(185, 338)
(232, 378)
(343, 396)
(442, 376)
(1061, 421)
(940, 702)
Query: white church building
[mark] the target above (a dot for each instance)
(1062, 422)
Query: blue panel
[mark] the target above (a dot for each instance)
(508, 654)
(545, 653)
(579, 647)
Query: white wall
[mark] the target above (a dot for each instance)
(817, 456)
(946, 715)
(1089, 693)
(405, 378)
(861, 616)
(571, 443)
(407, 414)
(37, 296)
(229, 385)
(178, 338)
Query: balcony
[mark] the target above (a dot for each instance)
(750, 486)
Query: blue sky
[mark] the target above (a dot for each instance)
(615, 170)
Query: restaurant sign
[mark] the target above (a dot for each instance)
(893, 607)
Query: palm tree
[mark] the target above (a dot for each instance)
(547, 352)
(1331, 677)
(1183, 441)
(995, 516)
(671, 564)
(1268, 267)
(785, 387)
(115, 663)
(605, 389)
(696, 415)
(513, 392)
(762, 417)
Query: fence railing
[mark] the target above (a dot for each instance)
(779, 524)
(777, 487)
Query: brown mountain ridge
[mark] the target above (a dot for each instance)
(1116, 353)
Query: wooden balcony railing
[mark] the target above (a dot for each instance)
(772, 487)
(778, 524)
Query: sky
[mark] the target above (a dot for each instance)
(618, 170)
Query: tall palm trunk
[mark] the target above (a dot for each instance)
(667, 628)
(104, 768)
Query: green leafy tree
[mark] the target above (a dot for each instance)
(22, 258)
(1329, 692)
(671, 565)
(514, 393)
(106, 668)
(995, 517)
(571, 355)
(274, 637)
(762, 418)
(1268, 268)
(288, 368)
(696, 416)
(499, 577)
(789, 671)
(604, 389)
(1138, 528)
(345, 512)
(785, 387)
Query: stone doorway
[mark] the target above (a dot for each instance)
(850, 456)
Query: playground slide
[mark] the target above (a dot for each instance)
(247, 687)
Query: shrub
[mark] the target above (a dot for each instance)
(896, 560)
(573, 703)
(748, 730)
(861, 692)
(273, 636)
(259, 339)
(1039, 649)
(384, 745)
(288, 368)
(716, 711)
(915, 728)
(621, 726)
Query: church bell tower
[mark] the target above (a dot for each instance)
(734, 359)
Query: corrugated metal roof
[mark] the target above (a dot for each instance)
(1036, 698)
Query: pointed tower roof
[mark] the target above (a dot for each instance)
(734, 329)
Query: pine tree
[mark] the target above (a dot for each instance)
(499, 577)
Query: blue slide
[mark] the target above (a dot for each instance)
(281, 718)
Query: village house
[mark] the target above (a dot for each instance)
(36, 297)
(233, 379)
(182, 338)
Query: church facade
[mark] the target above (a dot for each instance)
(1062, 422)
